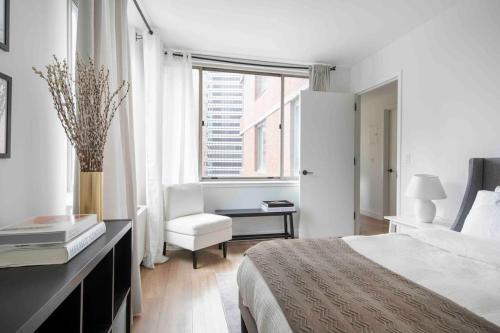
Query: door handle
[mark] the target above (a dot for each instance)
(390, 170)
(305, 172)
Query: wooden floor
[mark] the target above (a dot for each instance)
(179, 299)
(370, 226)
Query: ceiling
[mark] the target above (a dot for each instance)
(338, 32)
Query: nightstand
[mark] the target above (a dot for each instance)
(406, 223)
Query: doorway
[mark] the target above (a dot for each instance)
(377, 169)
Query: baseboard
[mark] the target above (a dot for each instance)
(371, 214)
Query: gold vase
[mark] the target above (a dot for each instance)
(91, 196)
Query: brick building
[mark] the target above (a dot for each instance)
(260, 126)
(242, 136)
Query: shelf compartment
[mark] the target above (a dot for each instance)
(122, 271)
(66, 318)
(98, 297)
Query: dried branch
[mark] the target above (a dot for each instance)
(85, 106)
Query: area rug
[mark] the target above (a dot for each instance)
(228, 289)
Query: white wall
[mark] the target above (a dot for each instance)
(340, 80)
(248, 195)
(372, 108)
(33, 180)
(450, 94)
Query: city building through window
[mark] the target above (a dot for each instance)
(260, 150)
(261, 84)
(248, 130)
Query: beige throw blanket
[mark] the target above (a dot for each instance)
(323, 285)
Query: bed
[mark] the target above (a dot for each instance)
(441, 263)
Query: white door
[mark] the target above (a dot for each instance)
(390, 163)
(393, 162)
(327, 164)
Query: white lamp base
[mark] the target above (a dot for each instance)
(425, 210)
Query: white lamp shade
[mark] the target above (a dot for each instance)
(426, 187)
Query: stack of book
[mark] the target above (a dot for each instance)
(278, 206)
(47, 240)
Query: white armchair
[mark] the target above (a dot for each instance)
(187, 225)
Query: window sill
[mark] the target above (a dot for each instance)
(249, 183)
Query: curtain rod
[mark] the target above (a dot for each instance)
(143, 17)
(236, 61)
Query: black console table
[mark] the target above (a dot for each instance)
(90, 293)
(257, 212)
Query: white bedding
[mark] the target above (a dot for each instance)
(462, 268)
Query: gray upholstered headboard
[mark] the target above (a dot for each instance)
(484, 174)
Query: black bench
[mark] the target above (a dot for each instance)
(257, 212)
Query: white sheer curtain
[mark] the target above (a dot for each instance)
(154, 142)
(137, 90)
(180, 155)
(170, 134)
(103, 35)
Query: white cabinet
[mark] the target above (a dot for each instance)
(402, 224)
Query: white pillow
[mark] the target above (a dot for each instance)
(483, 220)
(497, 189)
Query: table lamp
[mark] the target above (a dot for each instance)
(425, 188)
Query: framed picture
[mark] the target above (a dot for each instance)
(5, 114)
(4, 24)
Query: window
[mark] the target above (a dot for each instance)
(291, 125)
(247, 130)
(294, 136)
(260, 148)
